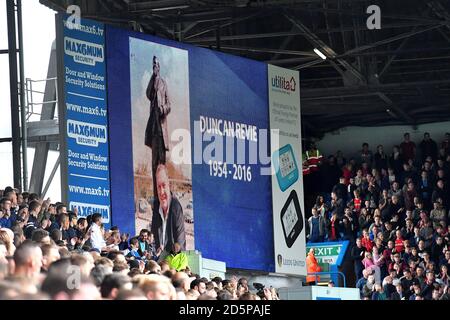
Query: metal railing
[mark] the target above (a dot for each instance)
(30, 96)
(316, 274)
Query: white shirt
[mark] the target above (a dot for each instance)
(164, 224)
(97, 240)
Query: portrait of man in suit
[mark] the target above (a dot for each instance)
(168, 219)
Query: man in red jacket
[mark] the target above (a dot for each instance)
(366, 242)
(399, 242)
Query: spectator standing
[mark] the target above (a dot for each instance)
(441, 191)
(357, 255)
(97, 240)
(333, 227)
(337, 205)
(366, 242)
(408, 195)
(396, 160)
(340, 189)
(347, 173)
(361, 282)
(445, 144)
(438, 215)
(443, 275)
(425, 188)
(408, 148)
(428, 147)
(366, 155)
(369, 264)
(316, 227)
(381, 159)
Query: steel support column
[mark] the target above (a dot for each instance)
(23, 114)
(14, 92)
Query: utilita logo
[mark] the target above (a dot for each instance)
(284, 84)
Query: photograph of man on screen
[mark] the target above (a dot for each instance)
(159, 82)
(168, 218)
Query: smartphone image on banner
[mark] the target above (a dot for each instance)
(285, 167)
(291, 219)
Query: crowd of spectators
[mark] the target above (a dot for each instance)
(395, 211)
(48, 252)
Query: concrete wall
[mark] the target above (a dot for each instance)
(350, 139)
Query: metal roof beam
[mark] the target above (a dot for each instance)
(400, 112)
(392, 58)
(324, 93)
(296, 32)
(156, 4)
(389, 40)
(231, 22)
(267, 50)
(284, 44)
(318, 43)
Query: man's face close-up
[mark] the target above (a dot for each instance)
(66, 223)
(13, 198)
(7, 205)
(202, 288)
(144, 236)
(163, 185)
(84, 225)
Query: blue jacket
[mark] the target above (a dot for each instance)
(361, 283)
(135, 254)
(5, 223)
(8, 222)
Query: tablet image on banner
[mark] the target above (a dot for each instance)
(285, 167)
(291, 219)
(159, 80)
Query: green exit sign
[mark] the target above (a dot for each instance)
(327, 251)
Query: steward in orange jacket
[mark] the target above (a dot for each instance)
(312, 266)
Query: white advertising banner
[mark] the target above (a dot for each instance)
(287, 180)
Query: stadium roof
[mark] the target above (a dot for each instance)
(397, 75)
